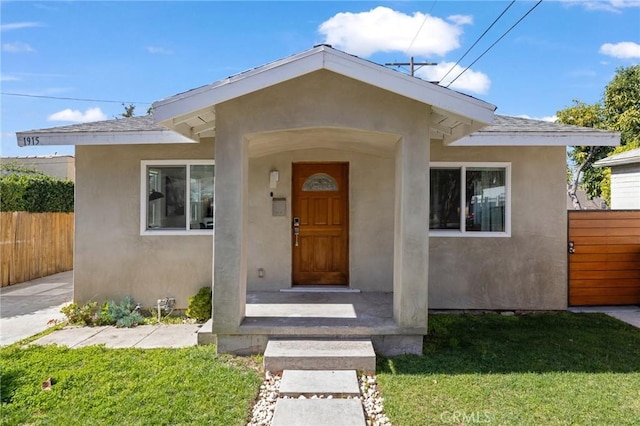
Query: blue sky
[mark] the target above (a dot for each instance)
(140, 52)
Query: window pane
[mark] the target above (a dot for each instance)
(485, 199)
(201, 197)
(167, 192)
(444, 210)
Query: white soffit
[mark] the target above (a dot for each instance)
(539, 139)
(183, 108)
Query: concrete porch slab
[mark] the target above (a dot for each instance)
(337, 383)
(318, 412)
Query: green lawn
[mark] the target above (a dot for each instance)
(101, 386)
(542, 369)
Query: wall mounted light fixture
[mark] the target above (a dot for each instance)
(274, 177)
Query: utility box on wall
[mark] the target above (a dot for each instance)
(279, 207)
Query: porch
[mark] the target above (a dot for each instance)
(318, 314)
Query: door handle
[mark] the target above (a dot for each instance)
(296, 230)
(572, 247)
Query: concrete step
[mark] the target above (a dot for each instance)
(340, 383)
(319, 354)
(318, 412)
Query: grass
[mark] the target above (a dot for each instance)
(95, 385)
(538, 369)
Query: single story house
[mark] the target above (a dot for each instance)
(625, 179)
(323, 178)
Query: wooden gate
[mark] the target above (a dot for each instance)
(604, 257)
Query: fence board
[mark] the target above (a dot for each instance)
(35, 245)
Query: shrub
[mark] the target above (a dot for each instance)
(123, 314)
(81, 315)
(35, 193)
(200, 305)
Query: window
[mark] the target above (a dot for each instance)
(469, 199)
(177, 197)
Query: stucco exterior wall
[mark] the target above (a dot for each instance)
(371, 201)
(112, 259)
(525, 271)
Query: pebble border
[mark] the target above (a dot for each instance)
(372, 401)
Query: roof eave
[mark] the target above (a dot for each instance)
(538, 139)
(39, 138)
(606, 162)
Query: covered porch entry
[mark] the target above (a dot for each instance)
(321, 106)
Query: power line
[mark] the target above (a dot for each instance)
(479, 38)
(24, 95)
(426, 16)
(496, 42)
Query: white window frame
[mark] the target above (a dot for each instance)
(144, 197)
(463, 189)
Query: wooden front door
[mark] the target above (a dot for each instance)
(321, 222)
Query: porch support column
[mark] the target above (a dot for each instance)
(411, 246)
(230, 241)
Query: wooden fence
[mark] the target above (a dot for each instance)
(34, 245)
(604, 268)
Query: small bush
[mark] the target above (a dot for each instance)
(200, 305)
(123, 314)
(81, 315)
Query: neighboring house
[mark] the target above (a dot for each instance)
(586, 203)
(57, 166)
(625, 179)
(331, 173)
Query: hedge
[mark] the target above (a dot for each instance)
(35, 193)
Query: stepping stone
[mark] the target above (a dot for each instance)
(319, 354)
(318, 412)
(319, 382)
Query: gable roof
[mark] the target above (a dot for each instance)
(622, 159)
(518, 131)
(504, 131)
(453, 114)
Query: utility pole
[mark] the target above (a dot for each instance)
(412, 64)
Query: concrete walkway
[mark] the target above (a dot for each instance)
(142, 336)
(27, 308)
(629, 314)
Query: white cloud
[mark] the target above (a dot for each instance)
(7, 77)
(549, 118)
(622, 50)
(157, 50)
(75, 116)
(19, 25)
(17, 47)
(606, 5)
(386, 30)
(470, 81)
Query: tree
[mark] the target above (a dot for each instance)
(129, 111)
(583, 157)
(619, 111)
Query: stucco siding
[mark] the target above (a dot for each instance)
(625, 187)
(112, 259)
(527, 270)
